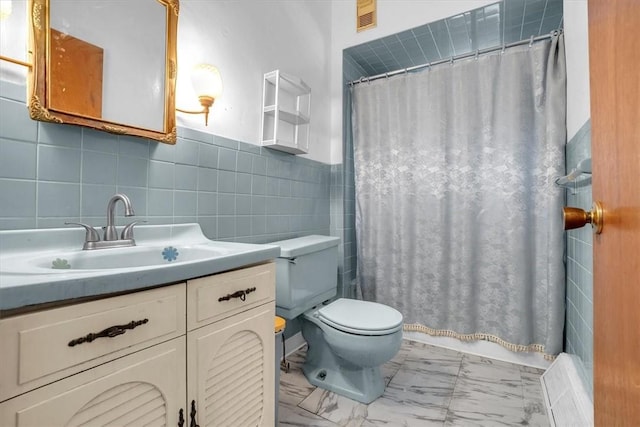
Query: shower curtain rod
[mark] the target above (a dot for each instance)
(531, 40)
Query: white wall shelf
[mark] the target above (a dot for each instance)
(286, 102)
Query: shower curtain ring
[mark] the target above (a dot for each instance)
(451, 60)
(531, 41)
(477, 53)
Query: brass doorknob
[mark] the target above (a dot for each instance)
(576, 217)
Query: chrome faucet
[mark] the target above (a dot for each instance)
(110, 233)
(110, 240)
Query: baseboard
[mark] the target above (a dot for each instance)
(567, 401)
(482, 349)
(479, 348)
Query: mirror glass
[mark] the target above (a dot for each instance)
(106, 64)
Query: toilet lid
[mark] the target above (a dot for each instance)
(361, 317)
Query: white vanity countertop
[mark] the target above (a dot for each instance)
(46, 265)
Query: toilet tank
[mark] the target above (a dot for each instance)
(306, 273)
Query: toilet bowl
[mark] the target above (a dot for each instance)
(348, 340)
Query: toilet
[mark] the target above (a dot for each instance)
(347, 340)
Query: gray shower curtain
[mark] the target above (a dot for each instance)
(458, 220)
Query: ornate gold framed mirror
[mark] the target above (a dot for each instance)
(105, 64)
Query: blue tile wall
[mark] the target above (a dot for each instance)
(496, 24)
(579, 305)
(51, 173)
(343, 189)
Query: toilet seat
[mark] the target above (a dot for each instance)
(361, 317)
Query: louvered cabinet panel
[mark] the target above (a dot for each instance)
(146, 388)
(230, 370)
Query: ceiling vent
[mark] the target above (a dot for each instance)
(366, 16)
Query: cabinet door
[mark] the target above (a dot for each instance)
(230, 373)
(144, 388)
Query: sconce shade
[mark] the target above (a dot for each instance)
(206, 81)
(5, 9)
(207, 84)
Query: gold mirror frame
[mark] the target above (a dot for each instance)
(38, 102)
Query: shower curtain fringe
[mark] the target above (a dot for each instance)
(479, 336)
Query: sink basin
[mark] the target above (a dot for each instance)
(47, 265)
(131, 257)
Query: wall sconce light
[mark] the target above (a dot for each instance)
(5, 9)
(207, 84)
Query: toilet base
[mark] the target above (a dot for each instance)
(324, 369)
(362, 384)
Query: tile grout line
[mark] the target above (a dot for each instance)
(453, 390)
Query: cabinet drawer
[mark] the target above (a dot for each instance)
(42, 347)
(216, 297)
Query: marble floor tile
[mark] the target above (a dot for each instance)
(292, 415)
(426, 386)
(421, 351)
(417, 395)
(339, 409)
(294, 387)
(390, 368)
(534, 406)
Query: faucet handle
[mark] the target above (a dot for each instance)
(127, 231)
(91, 236)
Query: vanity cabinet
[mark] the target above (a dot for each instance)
(208, 333)
(231, 348)
(286, 108)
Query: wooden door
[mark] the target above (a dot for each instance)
(75, 76)
(144, 388)
(230, 370)
(614, 54)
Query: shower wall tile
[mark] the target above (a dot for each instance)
(503, 22)
(579, 304)
(54, 173)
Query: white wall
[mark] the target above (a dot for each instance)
(393, 16)
(577, 53)
(245, 39)
(13, 43)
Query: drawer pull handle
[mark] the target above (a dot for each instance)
(110, 332)
(242, 294)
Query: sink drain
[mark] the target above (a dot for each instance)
(322, 375)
